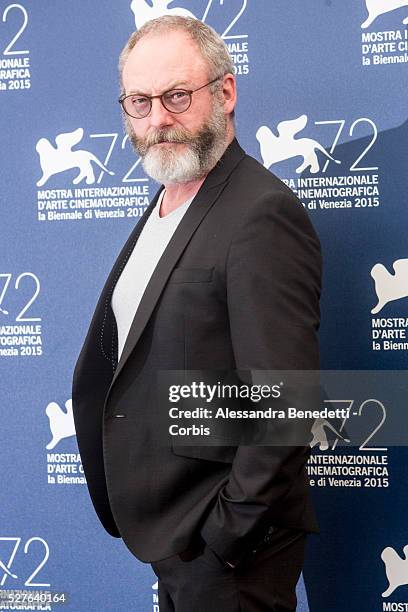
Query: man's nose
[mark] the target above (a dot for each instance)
(159, 115)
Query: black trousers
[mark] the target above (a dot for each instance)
(266, 582)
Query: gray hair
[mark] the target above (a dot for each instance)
(212, 47)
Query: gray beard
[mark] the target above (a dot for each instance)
(167, 165)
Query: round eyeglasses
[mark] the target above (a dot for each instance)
(139, 106)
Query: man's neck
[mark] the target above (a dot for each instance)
(178, 193)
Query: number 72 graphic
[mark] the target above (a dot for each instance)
(5, 567)
(24, 275)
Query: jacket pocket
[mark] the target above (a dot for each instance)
(191, 275)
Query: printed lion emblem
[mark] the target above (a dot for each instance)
(55, 160)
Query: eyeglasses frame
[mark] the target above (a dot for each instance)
(150, 98)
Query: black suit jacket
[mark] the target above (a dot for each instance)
(236, 288)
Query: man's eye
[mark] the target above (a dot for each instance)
(138, 100)
(176, 96)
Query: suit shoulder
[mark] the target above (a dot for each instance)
(253, 186)
(260, 195)
(251, 175)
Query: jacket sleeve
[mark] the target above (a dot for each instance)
(273, 277)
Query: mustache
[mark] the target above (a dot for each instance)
(172, 135)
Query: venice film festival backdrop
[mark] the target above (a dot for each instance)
(322, 104)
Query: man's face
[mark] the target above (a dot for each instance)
(175, 148)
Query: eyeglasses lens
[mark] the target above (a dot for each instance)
(175, 101)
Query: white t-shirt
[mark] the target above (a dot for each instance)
(149, 248)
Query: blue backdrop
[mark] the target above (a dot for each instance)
(323, 104)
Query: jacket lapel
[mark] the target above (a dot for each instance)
(203, 201)
(103, 316)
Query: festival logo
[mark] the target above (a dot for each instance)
(354, 425)
(20, 323)
(10, 550)
(55, 160)
(29, 589)
(327, 182)
(375, 8)
(284, 146)
(390, 287)
(75, 179)
(14, 57)
(63, 468)
(61, 422)
(389, 333)
(396, 569)
(388, 46)
(214, 12)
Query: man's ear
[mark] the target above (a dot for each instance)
(229, 91)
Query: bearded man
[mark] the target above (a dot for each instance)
(221, 273)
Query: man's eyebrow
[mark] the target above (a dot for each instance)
(174, 85)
